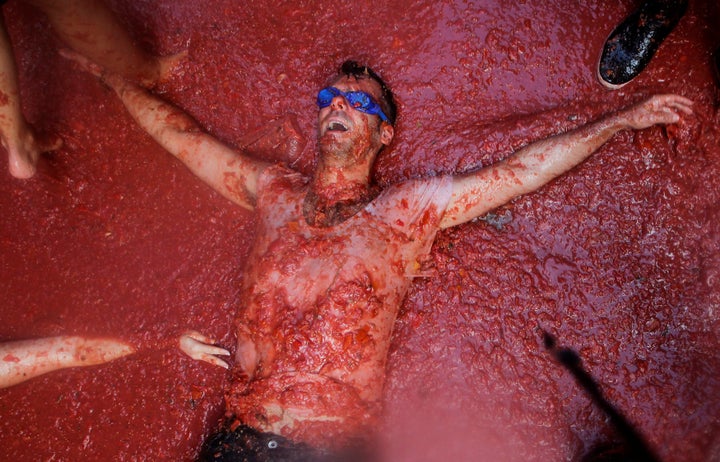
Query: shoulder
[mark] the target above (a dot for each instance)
(279, 175)
(412, 201)
(417, 193)
(279, 187)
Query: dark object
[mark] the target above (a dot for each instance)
(632, 44)
(616, 452)
(631, 447)
(235, 442)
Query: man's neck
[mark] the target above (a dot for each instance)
(335, 195)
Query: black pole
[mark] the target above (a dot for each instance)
(636, 447)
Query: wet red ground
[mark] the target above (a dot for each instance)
(619, 259)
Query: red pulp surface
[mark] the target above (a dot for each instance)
(618, 259)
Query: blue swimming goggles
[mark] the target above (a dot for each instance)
(357, 99)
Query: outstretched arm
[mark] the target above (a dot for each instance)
(229, 172)
(25, 359)
(476, 193)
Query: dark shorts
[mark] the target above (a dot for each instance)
(246, 444)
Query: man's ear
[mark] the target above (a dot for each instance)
(387, 132)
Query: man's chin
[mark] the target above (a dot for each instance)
(333, 141)
(336, 134)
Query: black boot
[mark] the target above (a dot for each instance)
(633, 43)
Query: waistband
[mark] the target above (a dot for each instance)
(304, 406)
(236, 442)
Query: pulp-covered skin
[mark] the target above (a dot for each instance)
(318, 307)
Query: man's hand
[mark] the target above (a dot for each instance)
(660, 109)
(114, 81)
(200, 347)
(533, 166)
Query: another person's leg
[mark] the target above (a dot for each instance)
(18, 138)
(633, 43)
(92, 29)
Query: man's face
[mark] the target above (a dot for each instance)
(344, 131)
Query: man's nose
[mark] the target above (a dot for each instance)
(338, 102)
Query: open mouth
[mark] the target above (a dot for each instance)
(337, 127)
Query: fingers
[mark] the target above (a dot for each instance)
(659, 109)
(683, 104)
(667, 103)
(215, 361)
(212, 350)
(193, 334)
(194, 349)
(199, 347)
(48, 142)
(205, 344)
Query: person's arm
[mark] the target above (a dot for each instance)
(230, 173)
(476, 193)
(25, 359)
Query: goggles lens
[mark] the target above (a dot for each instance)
(358, 100)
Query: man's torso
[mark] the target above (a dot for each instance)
(318, 305)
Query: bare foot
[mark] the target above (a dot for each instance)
(24, 152)
(201, 348)
(165, 66)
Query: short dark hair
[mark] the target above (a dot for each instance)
(387, 100)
